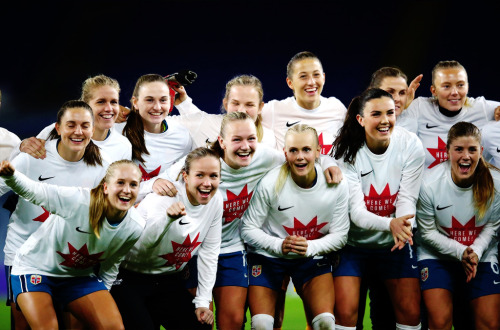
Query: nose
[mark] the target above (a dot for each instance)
(311, 80)
(241, 108)
(108, 106)
(384, 119)
(454, 90)
(157, 105)
(78, 129)
(126, 188)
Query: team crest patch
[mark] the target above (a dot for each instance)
(36, 279)
(424, 274)
(256, 270)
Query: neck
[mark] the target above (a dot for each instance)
(69, 155)
(305, 182)
(309, 105)
(378, 148)
(100, 135)
(115, 216)
(449, 113)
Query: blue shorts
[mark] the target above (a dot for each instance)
(449, 275)
(270, 272)
(388, 265)
(10, 297)
(62, 289)
(232, 270)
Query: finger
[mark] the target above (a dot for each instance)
(328, 177)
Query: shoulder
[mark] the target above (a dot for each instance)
(436, 175)
(136, 218)
(7, 136)
(333, 102)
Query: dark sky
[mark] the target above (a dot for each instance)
(49, 48)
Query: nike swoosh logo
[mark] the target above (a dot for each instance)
(82, 231)
(283, 209)
(496, 282)
(363, 174)
(442, 208)
(183, 223)
(43, 179)
(207, 141)
(321, 265)
(289, 125)
(429, 127)
(414, 267)
(498, 150)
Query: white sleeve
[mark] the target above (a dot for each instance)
(43, 135)
(357, 207)
(254, 218)
(327, 162)
(339, 227)
(187, 107)
(62, 201)
(154, 211)
(429, 232)
(483, 240)
(411, 179)
(267, 115)
(110, 267)
(408, 117)
(208, 256)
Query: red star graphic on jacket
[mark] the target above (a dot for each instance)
(438, 153)
(325, 148)
(465, 234)
(42, 217)
(381, 204)
(147, 176)
(80, 259)
(236, 205)
(309, 231)
(182, 252)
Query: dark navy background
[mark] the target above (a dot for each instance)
(47, 49)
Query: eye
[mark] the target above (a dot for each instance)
(302, 76)
(215, 176)
(114, 102)
(199, 175)
(134, 184)
(402, 93)
(307, 149)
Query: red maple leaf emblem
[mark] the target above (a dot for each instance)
(182, 252)
(236, 205)
(381, 204)
(147, 176)
(80, 259)
(438, 153)
(325, 148)
(465, 234)
(42, 217)
(309, 231)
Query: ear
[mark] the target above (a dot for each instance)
(433, 90)
(134, 101)
(58, 129)
(224, 103)
(318, 151)
(221, 142)
(105, 188)
(482, 149)
(360, 120)
(289, 83)
(261, 106)
(184, 176)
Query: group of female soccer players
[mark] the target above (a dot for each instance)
(140, 223)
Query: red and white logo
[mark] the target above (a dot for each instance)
(36, 279)
(424, 274)
(256, 270)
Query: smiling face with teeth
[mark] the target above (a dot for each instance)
(121, 190)
(104, 104)
(378, 119)
(301, 152)
(153, 104)
(202, 180)
(464, 153)
(307, 81)
(239, 143)
(450, 86)
(75, 128)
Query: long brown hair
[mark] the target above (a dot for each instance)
(98, 201)
(483, 187)
(134, 129)
(92, 155)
